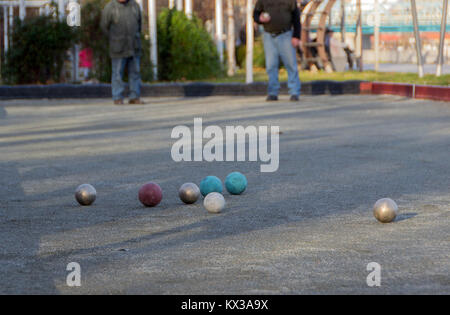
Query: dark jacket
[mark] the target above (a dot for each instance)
(284, 14)
(121, 22)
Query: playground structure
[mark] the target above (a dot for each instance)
(315, 18)
(308, 13)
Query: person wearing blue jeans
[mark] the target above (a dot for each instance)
(134, 78)
(121, 22)
(282, 29)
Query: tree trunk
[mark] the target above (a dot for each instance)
(343, 31)
(359, 37)
(442, 39)
(417, 37)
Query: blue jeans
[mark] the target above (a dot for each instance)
(134, 77)
(276, 48)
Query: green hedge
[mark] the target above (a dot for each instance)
(38, 50)
(186, 50)
(259, 58)
(40, 44)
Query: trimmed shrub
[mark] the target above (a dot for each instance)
(259, 58)
(186, 50)
(40, 44)
(38, 50)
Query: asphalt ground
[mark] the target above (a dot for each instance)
(306, 228)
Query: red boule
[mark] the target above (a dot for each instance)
(150, 195)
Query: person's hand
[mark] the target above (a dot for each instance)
(264, 18)
(296, 42)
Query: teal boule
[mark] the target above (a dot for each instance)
(210, 184)
(236, 183)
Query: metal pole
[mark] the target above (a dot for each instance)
(5, 28)
(441, 43)
(11, 18)
(219, 28)
(417, 36)
(22, 9)
(250, 34)
(180, 5)
(153, 37)
(61, 9)
(188, 8)
(377, 35)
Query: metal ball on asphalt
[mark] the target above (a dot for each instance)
(214, 202)
(189, 193)
(85, 194)
(385, 210)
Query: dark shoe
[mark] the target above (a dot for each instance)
(272, 98)
(136, 101)
(295, 98)
(118, 102)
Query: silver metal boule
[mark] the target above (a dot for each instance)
(85, 194)
(385, 210)
(189, 193)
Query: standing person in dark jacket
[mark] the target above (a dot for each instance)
(121, 21)
(281, 21)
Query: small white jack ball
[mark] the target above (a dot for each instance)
(214, 202)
